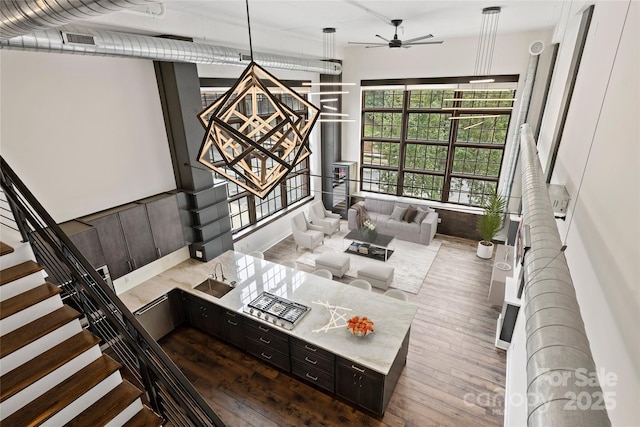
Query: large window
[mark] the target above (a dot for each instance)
(245, 208)
(445, 145)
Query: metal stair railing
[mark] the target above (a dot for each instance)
(168, 391)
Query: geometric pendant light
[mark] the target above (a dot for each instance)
(258, 150)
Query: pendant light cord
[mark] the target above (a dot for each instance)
(249, 26)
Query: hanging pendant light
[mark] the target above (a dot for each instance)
(258, 150)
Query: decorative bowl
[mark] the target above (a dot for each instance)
(360, 326)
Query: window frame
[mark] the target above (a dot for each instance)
(457, 109)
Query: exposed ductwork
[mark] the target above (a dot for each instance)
(525, 102)
(88, 41)
(29, 25)
(562, 386)
(20, 17)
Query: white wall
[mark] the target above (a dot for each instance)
(85, 133)
(598, 162)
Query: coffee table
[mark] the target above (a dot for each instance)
(379, 246)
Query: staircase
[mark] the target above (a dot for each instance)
(53, 372)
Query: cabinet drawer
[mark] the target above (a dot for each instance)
(269, 355)
(313, 360)
(267, 340)
(359, 369)
(313, 375)
(262, 328)
(311, 350)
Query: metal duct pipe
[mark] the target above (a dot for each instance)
(20, 17)
(558, 352)
(523, 110)
(87, 41)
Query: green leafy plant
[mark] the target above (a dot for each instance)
(490, 223)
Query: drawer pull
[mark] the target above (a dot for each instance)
(311, 377)
(263, 329)
(236, 324)
(232, 314)
(313, 362)
(265, 341)
(358, 369)
(266, 356)
(310, 348)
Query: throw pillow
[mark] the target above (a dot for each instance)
(420, 215)
(410, 214)
(398, 213)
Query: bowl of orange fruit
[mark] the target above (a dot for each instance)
(360, 326)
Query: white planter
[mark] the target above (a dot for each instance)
(485, 251)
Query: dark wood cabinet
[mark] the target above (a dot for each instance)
(86, 239)
(137, 235)
(267, 343)
(111, 236)
(359, 385)
(313, 364)
(204, 315)
(233, 329)
(165, 223)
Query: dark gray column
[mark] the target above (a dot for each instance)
(205, 208)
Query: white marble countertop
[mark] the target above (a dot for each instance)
(392, 318)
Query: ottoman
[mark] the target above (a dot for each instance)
(378, 274)
(336, 263)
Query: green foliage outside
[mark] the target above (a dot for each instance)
(427, 143)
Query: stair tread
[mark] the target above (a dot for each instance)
(5, 249)
(27, 299)
(59, 397)
(30, 332)
(17, 380)
(145, 418)
(18, 271)
(108, 407)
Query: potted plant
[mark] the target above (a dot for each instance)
(490, 223)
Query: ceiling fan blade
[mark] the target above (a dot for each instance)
(428, 36)
(381, 44)
(433, 42)
(375, 45)
(378, 35)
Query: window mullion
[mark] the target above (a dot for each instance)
(403, 142)
(453, 134)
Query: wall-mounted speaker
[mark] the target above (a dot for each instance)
(536, 47)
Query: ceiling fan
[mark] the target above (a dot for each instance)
(396, 42)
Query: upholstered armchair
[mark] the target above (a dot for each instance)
(329, 221)
(305, 234)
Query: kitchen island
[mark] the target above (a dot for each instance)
(363, 370)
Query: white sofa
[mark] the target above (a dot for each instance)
(381, 211)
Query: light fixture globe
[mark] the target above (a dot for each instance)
(258, 152)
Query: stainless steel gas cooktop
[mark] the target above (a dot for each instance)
(277, 310)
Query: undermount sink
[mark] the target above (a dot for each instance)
(215, 287)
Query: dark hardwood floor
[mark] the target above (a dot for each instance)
(454, 375)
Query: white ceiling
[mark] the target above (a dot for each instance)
(295, 26)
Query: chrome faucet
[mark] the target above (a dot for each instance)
(215, 268)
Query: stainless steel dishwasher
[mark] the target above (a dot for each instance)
(156, 317)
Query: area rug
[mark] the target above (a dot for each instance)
(411, 261)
